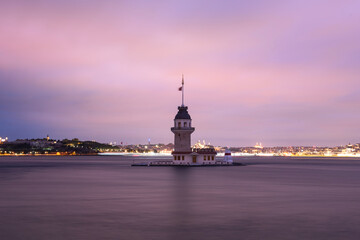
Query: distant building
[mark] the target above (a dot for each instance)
(2, 140)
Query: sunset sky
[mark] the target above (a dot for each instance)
(276, 72)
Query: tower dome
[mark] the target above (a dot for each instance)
(182, 113)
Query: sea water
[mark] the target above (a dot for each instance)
(103, 197)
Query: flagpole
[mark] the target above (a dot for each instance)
(182, 88)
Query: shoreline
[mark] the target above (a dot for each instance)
(169, 155)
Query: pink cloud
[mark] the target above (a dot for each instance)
(282, 66)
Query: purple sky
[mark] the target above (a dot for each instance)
(276, 72)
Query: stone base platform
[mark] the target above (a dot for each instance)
(171, 164)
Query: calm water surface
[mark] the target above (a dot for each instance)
(102, 197)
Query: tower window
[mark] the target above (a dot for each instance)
(185, 124)
(183, 158)
(204, 158)
(179, 124)
(212, 157)
(178, 157)
(209, 158)
(174, 157)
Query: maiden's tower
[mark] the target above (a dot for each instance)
(183, 153)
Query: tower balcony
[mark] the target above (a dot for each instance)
(182, 129)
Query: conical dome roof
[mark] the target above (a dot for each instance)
(182, 113)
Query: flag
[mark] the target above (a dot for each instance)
(180, 88)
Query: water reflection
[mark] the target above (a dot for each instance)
(181, 207)
(105, 198)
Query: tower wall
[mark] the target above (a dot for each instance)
(182, 131)
(182, 140)
(182, 123)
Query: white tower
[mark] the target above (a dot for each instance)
(182, 131)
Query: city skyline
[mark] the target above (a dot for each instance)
(280, 73)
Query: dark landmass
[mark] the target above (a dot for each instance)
(55, 147)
